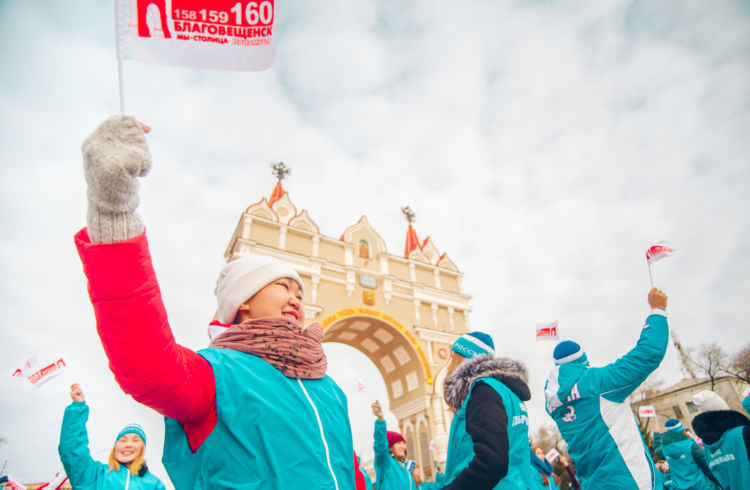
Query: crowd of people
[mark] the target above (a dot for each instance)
(256, 408)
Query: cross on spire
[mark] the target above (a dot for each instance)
(280, 170)
(410, 215)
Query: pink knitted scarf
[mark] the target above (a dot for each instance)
(280, 341)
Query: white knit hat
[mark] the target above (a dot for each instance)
(707, 400)
(240, 279)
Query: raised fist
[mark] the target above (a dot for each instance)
(114, 156)
(76, 393)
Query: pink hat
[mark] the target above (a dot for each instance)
(393, 438)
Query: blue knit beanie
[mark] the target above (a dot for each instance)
(474, 344)
(569, 351)
(132, 429)
(674, 425)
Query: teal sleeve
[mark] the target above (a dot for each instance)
(74, 446)
(380, 445)
(746, 404)
(619, 379)
(437, 485)
(657, 445)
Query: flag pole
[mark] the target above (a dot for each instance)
(119, 84)
(650, 277)
(119, 57)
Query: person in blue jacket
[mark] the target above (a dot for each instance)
(726, 435)
(542, 471)
(127, 465)
(590, 410)
(390, 456)
(687, 462)
(488, 445)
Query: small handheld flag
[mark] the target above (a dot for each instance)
(656, 252)
(37, 374)
(552, 455)
(646, 411)
(547, 331)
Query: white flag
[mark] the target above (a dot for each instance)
(646, 411)
(552, 455)
(39, 373)
(547, 331)
(658, 251)
(222, 34)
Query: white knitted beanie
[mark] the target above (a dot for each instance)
(240, 279)
(707, 400)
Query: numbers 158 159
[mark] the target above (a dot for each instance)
(252, 14)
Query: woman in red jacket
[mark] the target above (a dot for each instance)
(255, 409)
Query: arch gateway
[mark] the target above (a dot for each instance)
(402, 311)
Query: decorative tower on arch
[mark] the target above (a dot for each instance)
(402, 311)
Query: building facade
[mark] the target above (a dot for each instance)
(676, 402)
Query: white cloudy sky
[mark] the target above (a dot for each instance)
(544, 145)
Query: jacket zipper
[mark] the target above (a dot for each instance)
(127, 481)
(322, 435)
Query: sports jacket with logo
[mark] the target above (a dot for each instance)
(589, 408)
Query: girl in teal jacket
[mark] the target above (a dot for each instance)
(127, 467)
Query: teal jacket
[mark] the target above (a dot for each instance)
(590, 410)
(83, 472)
(389, 473)
(687, 462)
(461, 448)
(726, 436)
(663, 481)
(746, 404)
(499, 374)
(728, 460)
(272, 432)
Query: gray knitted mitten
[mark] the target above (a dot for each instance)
(114, 155)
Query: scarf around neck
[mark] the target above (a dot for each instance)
(282, 342)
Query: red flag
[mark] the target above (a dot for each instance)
(546, 331)
(658, 252)
(37, 374)
(552, 455)
(222, 34)
(646, 411)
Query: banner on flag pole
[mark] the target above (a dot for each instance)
(547, 331)
(552, 455)
(646, 411)
(658, 252)
(37, 374)
(220, 34)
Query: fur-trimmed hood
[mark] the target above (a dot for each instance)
(510, 372)
(710, 426)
